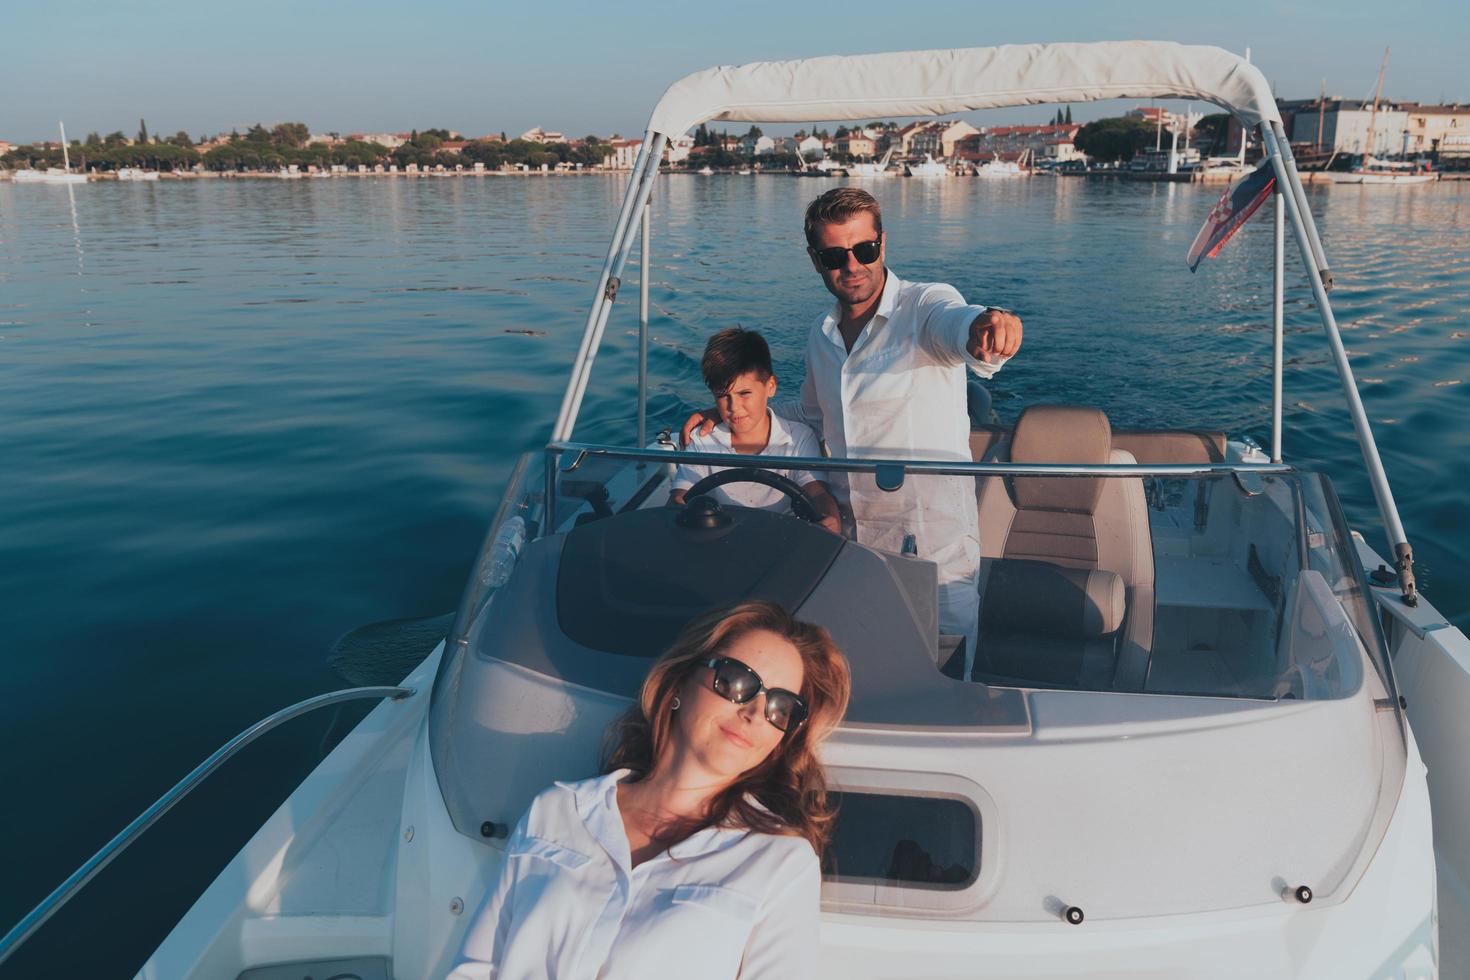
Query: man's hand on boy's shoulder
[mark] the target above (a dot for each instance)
(704, 420)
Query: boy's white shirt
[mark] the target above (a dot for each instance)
(788, 438)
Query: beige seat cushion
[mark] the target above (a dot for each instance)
(1083, 524)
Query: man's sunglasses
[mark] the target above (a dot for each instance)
(836, 257)
(736, 682)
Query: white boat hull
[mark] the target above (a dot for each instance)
(363, 861)
(1431, 663)
(1352, 177)
(48, 177)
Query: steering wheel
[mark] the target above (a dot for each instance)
(800, 506)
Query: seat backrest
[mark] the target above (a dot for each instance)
(1072, 522)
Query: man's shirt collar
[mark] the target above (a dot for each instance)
(886, 304)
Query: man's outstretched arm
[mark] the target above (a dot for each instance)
(952, 330)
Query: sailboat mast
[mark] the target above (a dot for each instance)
(65, 157)
(1373, 116)
(1321, 113)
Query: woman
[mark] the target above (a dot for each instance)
(696, 856)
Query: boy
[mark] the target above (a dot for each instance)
(737, 369)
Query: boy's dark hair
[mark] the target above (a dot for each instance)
(731, 353)
(838, 206)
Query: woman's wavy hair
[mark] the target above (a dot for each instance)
(787, 792)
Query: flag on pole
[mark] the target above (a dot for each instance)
(1236, 205)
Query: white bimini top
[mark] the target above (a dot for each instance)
(788, 438)
(569, 905)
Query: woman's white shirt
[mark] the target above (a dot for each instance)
(569, 904)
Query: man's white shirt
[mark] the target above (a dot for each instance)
(900, 394)
(788, 438)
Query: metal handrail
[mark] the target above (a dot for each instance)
(52, 903)
(900, 467)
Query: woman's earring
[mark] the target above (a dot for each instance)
(675, 706)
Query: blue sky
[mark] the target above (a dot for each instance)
(581, 67)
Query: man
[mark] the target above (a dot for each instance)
(885, 378)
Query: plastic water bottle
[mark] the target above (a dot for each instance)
(504, 551)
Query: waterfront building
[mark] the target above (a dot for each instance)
(1430, 125)
(906, 136)
(1454, 152)
(6, 146)
(854, 145)
(454, 147)
(676, 149)
(624, 153)
(388, 140)
(754, 146)
(1341, 125)
(1156, 115)
(1054, 142)
(811, 148)
(538, 135)
(952, 133)
(927, 140)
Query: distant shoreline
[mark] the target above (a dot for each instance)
(187, 175)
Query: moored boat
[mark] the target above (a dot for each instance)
(52, 175)
(928, 168)
(877, 168)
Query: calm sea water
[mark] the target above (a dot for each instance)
(240, 418)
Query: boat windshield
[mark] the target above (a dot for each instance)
(1228, 585)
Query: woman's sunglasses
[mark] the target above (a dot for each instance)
(736, 682)
(836, 257)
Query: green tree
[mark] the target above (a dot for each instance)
(180, 138)
(142, 131)
(292, 134)
(1068, 120)
(1212, 131)
(1115, 139)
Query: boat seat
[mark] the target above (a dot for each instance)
(1154, 447)
(1071, 558)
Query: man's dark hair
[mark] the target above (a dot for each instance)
(838, 206)
(731, 353)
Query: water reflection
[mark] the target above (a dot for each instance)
(76, 229)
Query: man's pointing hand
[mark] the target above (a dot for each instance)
(994, 334)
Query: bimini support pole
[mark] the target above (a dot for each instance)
(639, 186)
(1398, 541)
(1278, 320)
(643, 334)
(1300, 196)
